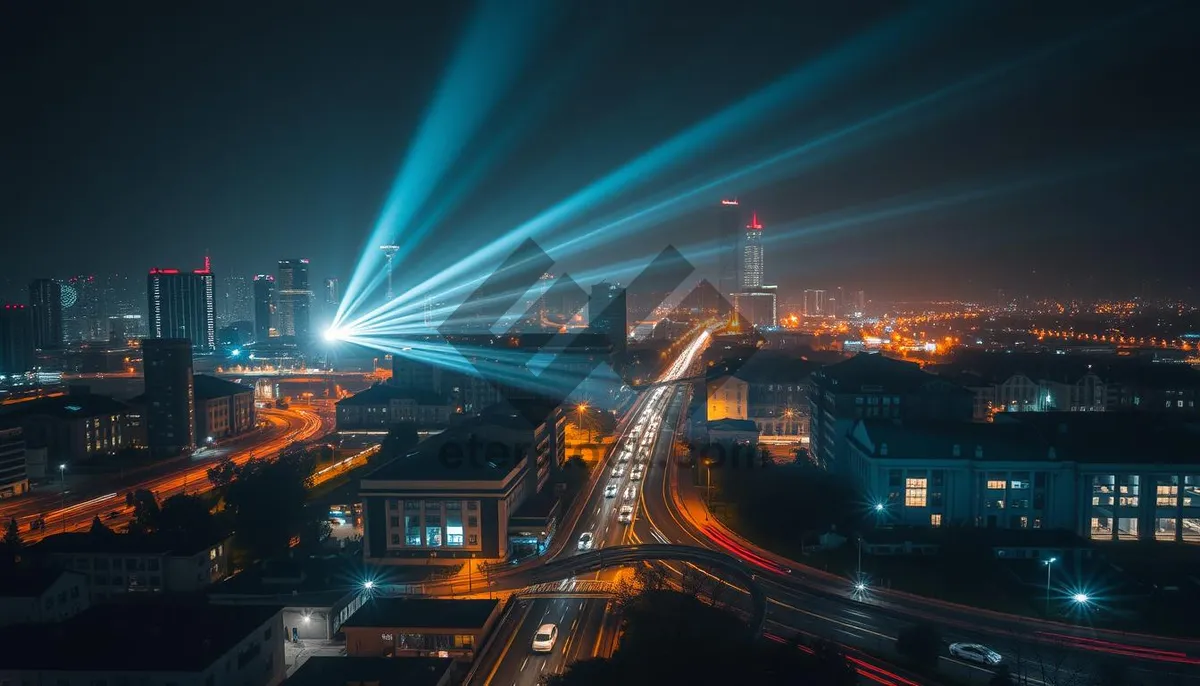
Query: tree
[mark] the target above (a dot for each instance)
(12, 540)
(222, 473)
(185, 514)
(921, 644)
(267, 500)
(145, 512)
(98, 528)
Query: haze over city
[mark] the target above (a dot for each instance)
(550, 343)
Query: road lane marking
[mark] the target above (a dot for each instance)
(524, 662)
(507, 646)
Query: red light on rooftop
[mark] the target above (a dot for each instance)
(754, 223)
(164, 271)
(729, 202)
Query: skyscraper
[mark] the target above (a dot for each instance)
(727, 247)
(16, 340)
(814, 303)
(295, 299)
(607, 313)
(236, 303)
(333, 294)
(45, 302)
(170, 395)
(85, 319)
(183, 305)
(752, 256)
(264, 306)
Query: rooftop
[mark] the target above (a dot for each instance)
(137, 544)
(379, 671)
(210, 387)
(314, 580)
(423, 613)
(478, 450)
(938, 439)
(74, 405)
(866, 370)
(30, 582)
(728, 424)
(382, 394)
(168, 636)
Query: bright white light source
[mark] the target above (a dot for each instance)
(333, 334)
(1080, 598)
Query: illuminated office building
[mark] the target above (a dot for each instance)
(295, 299)
(45, 301)
(264, 306)
(183, 305)
(752, 256)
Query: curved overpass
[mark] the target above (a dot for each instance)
(622, 555)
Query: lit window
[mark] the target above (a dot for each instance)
(915, 491)
(996, 484)
(935, 520)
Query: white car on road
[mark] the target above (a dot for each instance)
(630, 493)
(543, 640)
(618, 472)
(636, 475)
(975, 653)
(626, 515)
(585, 541)
(610, 491)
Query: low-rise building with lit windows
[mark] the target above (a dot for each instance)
(420, 627)
(223, 408)
(382, 406)
(116, 564)
(1110, 477)
(72, 427)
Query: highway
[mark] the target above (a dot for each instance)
(815, 603)
(104, 495)
(586, 628)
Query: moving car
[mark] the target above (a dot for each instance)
(626, 515)
(630, 493)
(610, 491)
(623, 457)
(618, 472)
(638, 473)
(975, 653)
(543, 640)
(585, 541)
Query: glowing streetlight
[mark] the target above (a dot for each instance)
(368, 584)
(1081, 598)
(332, 334)
(879, 507)
(1049, 563)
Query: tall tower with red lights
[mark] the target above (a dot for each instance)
(752, 255)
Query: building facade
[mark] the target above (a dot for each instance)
(16, 340)
(14, 472)
(264, 307)
(873, 386)
(729, 227)
(223, 408)
(420, 627)
(170, 400)
(752, 256)
(30, 595)
(295, 299)
(74, 427)
(1115, 478)
(45, 302)
(133, 563)
(182, 304)
(382, 406)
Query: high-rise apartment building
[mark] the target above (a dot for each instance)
(264, 306)
(14, 476)
(16, 340)
(183, 305)
(170, 396)
(815, 304)
(608, 314)
(729, 229)
(752, 256)
(295, 299)
(236, 301)
(45, 302)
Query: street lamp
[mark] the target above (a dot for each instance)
(1049, 564)
(62, 487)
(1081, 598)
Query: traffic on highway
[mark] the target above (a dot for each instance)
(54, 511)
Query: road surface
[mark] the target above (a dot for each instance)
(586, 627)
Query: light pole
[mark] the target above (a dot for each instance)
(1049, 563)
(707, 487)
(62, 487)
(470, 571)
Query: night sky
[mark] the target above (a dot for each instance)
(144, 134)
